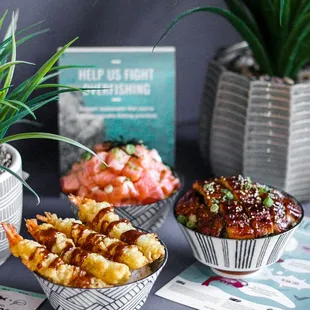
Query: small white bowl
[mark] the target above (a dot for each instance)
(129, 296)
(238, 257)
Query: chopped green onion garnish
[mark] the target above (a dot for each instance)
(247, 186)
(86, 156)
(263, 189)
(214, 208)
(182, 219)
(192, 218)
(268, 202)
(228, 194)
(103, 166)
(207, 187)
(132, 166)
(215, 201)
(191, 225)
(115, 150)
(130, 149)
(248, 179)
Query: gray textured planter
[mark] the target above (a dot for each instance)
(257, 128)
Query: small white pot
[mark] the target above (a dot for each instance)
(11, 200)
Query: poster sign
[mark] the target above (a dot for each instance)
(133, 98)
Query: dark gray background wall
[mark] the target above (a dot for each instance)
(120, 23)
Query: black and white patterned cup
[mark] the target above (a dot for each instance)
(240, 256)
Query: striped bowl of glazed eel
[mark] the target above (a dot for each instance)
(237, 226)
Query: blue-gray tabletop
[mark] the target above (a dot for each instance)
(14, 274)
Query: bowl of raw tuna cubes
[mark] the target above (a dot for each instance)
(134, 180)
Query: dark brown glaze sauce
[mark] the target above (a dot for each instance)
(48, 237)
(101, 214)
(91, 243)
(110, 227)
(81, 280)
(77, 232)
(131, 236)
(79, 277)
(78, 256)
(242, 212)
(116, 250)
(56, 263)
(42, 252)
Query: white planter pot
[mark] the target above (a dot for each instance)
(257, 128)
(11, 200)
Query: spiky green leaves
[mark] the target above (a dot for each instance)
(246, 32)
(277, 31)
(15, 103)
(22, 181)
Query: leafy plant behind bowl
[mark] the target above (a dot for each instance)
(277, 31)
(15, 101)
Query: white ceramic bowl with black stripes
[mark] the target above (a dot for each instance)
(149, 217)
(233, 258)
(11, 200)
(129, 296)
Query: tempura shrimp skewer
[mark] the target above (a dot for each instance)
(100, 216)
(90, 240)
(95, 264)
(38, 259)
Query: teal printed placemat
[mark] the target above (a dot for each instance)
(15, 299)
(137, 102)
(284, 285)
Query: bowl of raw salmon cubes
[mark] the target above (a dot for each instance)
(134, 180)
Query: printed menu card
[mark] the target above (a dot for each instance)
(15, 299)
(282, 286)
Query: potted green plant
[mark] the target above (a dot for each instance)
(15, 104)
(255, 110)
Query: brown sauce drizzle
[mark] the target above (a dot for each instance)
(39, 250)
(77, 227)
(48, 237)
(67, 248)
(114, 223)
(101, 214)
(82, 280)
(32, 255)
(103, 225)
(89, 242)
(118, 249)
(78, 256)
(55, 263)
(131, 236)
